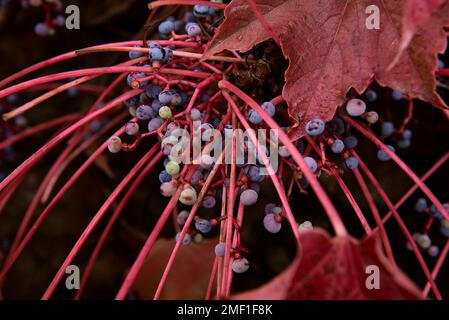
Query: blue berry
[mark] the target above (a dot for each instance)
(157, 54)
(269, 208)
(315, 127)
(421, 205)
(404, 143)
(337, 146)
(220, 249)
(383, 156)
(355, 107)
(182, 217)
(203, 225)
(351, 142)
(336, 126)
(200, 11)
(396, 95)
(130, 102)
(154, 124)
(269, 108)
(311, 163)
(271, 224)
(186, 240)
(41, 29)
(209, 202)
(196, 177)
(135, 54)
(165, 97)
(166, 27)
(249, 197)
(407, 134)
(254, 117)
(193, 29)
(240, 265)
(387, 128)
(435, 212)
(253, 173)
(164, 177)
(371, 95)
(351, 163)
(145, 112)
(156, 105)
(153, 91)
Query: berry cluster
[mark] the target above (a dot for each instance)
(53, 16)
(423, 239)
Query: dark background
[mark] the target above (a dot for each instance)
(113, 21)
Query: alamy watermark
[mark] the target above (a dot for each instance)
(252, 147)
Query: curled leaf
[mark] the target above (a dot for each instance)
(337, 268)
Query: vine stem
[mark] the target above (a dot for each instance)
(424, 177)
(38, 128)
(98, 216)
(53, 173)
(213, 273)
(97, 71)
(437, 267)
(343, 187)
(230, 209)
(187, 224)
(332, 213)
(14, 255)
(372, 137)
(400, 222)
(376, 215)
(279, 188)
(74, 54)
(116, 214)
(264, 23)
(222, 237)
(160, 3)
(352, 202)
(33, 103)
(178, 53)
(137, 265)
(39, 154)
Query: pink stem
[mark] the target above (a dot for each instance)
(437, 267)
(74, 54)
(314, 183)
(372, 137)
(424, 177)
(375, 212)
(156, 4)
(400, 222)
(186, 226)
(213, 273)
(112, 220)
(264, 23)
(38, 155)
(47, 210)
(38, 128)
(230, 209)
(96, 219)
(165, 215)
(352, 201)
(279, 188)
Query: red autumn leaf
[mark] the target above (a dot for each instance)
(336, 269)
(189, 276)
(418, 13)
(330, 50)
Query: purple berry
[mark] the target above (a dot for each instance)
(270, 223)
